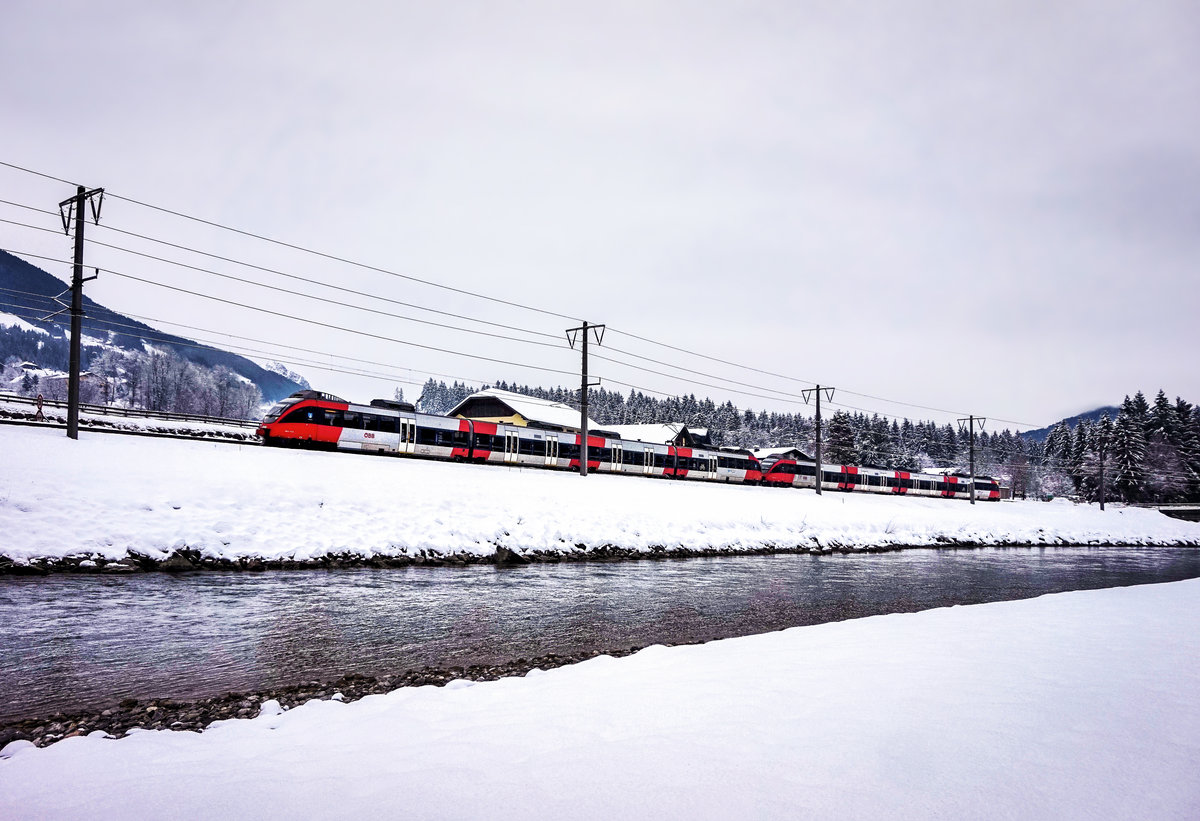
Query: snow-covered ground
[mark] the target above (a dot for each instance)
(1074, 705)
(112, 496)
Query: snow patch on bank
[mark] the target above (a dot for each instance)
(109, 497)
(1076, 705)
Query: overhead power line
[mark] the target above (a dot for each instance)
(314, 322)
(303, 249)
(346, 261)
(299, 278)
(328, 301)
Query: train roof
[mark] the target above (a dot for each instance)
(324, 397)
(392, 404)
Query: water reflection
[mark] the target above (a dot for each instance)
(86, 641)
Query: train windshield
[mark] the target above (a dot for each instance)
(278, 408)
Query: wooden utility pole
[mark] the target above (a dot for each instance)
(68, 208)
(581, 333)
(829, 395)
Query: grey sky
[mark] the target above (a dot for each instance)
(984, 207)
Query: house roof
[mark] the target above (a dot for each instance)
(542, 411)
(767, 453)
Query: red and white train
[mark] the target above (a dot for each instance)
(318, 420)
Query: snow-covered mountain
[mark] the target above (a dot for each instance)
(1040, 434)
(27, 294)
(284, 371)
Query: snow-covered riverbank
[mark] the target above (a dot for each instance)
(113, 497)
(1075, 705)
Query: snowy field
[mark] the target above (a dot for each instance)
(112, 496)
(1075, 705)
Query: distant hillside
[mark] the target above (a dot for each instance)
(28, 292)
(1040, 434)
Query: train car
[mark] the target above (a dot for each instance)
(728, 465)
(848, 478)
(319, 420)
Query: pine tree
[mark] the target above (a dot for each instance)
(840, 447)
(1129, 453)
(1079, 449)
(1163, 420)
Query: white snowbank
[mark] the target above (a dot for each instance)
(109, 496)
(1075, 705)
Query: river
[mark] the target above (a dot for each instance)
(86, 641)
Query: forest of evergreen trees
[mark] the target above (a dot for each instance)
(1151, 452)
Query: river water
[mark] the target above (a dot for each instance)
(72, 642)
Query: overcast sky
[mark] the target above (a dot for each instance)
(988, 208)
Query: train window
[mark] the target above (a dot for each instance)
(371, 421)
(907, 484)
(568, 450)
(531, 447)
(483, 441)
(305, 416)
(875, 481)
(806, 470)
(924, 484)
(427, 436)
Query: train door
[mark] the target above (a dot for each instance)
(648, 461)
(551, 451)
(617, 457)
(712, 467)
(408, 435)
(512, 442)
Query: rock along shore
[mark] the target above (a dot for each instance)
(196, 715)
(186, 560)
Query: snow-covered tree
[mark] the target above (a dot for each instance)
(1128, 449)
(840, 445)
